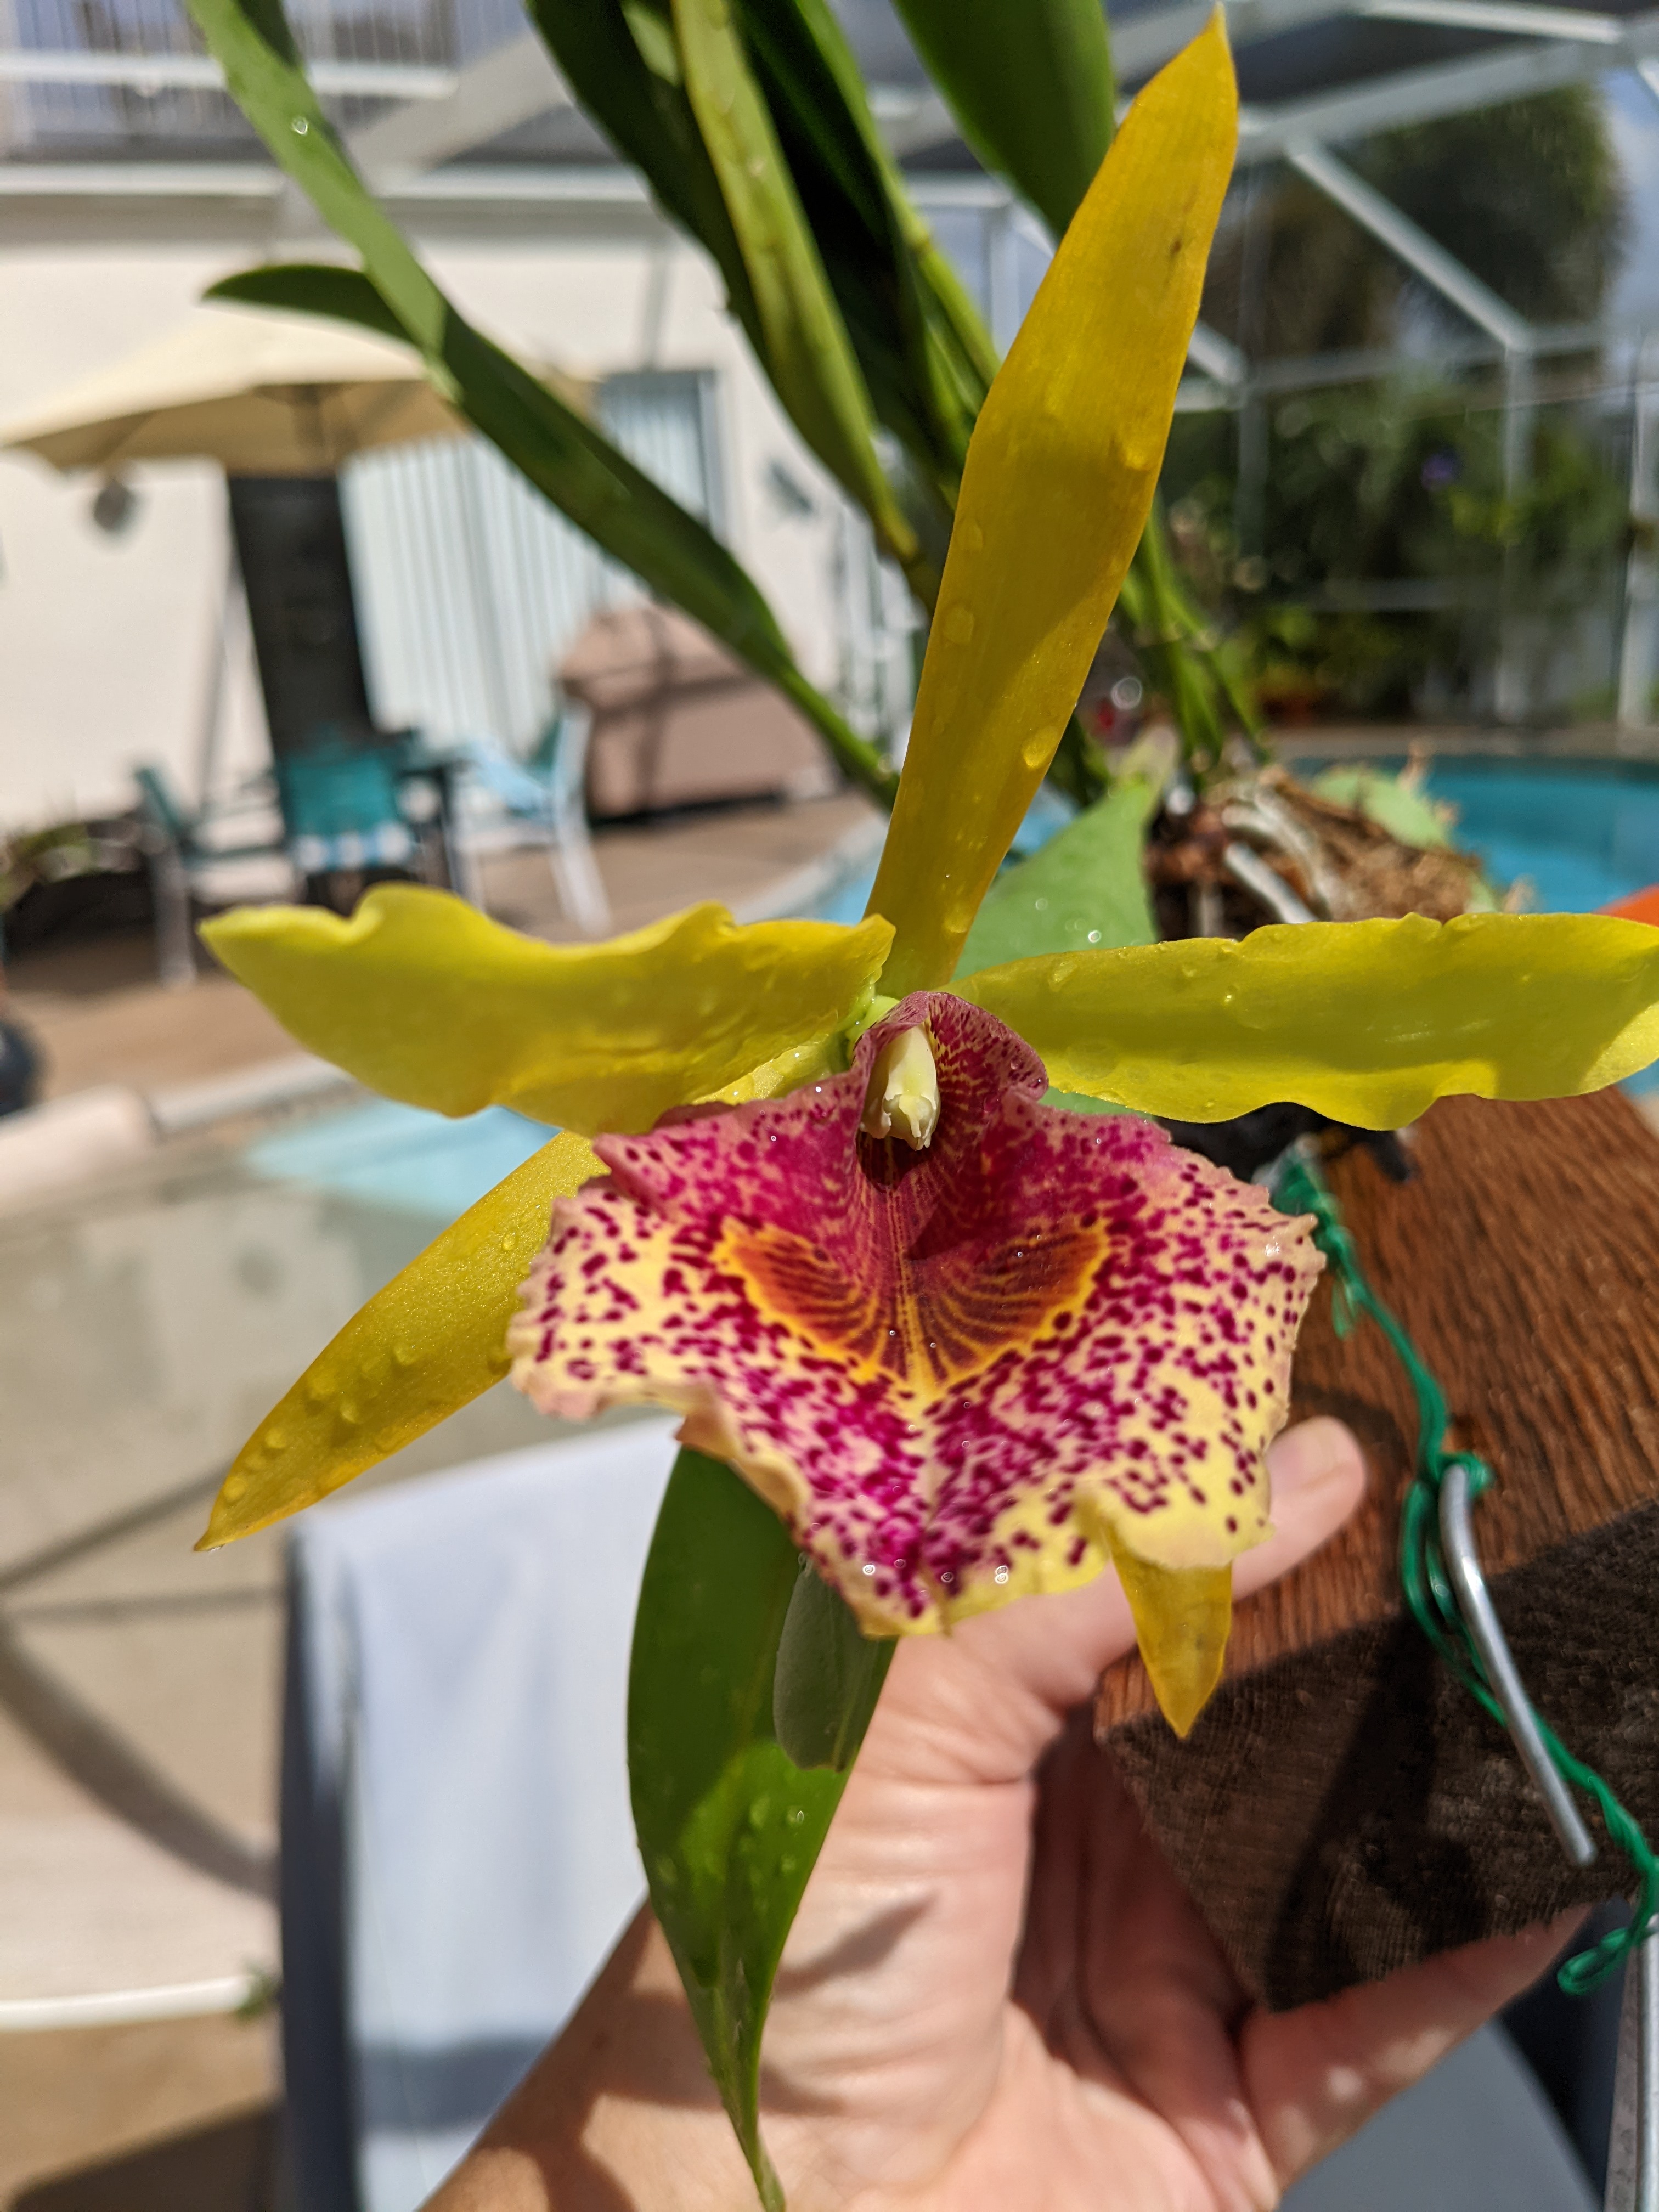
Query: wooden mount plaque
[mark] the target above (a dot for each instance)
(1342, 1807)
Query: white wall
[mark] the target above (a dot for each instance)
(106, 644)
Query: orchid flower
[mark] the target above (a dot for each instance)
(968, 1345)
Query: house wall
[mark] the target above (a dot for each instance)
(107, 645)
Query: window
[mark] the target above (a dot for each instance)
(470, 586)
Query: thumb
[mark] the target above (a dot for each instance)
(1011, 1676)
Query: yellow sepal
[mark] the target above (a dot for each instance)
(1183, 1616)
(787, 1071)
(1056, 491)
(423, 997)
(420, 1348)
(1369, 1022)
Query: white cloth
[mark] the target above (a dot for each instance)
(459, 1852)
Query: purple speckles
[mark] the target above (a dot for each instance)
(953, 1370)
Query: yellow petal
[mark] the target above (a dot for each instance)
(1182, 1617)
(1369, 1022)
(421, 996)
(787, 1071)
(433, 1339)
(1058, 484)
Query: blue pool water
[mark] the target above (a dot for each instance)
(400, 1156)
(1580, 833)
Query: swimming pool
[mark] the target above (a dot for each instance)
(1580, 832)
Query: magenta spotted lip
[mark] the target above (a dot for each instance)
(960, 1374)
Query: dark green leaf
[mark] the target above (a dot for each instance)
(828, 1676)
(1030, 83)
(729, 1826)
(804, 343)
(1084, 887)
(312, 287)
(621, 60)
(875, 246)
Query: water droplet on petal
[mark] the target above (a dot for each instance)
(958, 626)
(300, 126)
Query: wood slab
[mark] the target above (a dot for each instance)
(1342, 1808)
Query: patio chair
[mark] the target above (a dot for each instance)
(350, 814)
(176, 851)
(545, 790)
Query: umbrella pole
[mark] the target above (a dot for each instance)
(213, 705)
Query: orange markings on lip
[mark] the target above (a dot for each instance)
(930, 1322)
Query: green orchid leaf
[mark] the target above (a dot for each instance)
(1369, 1022)
(578, 468)
(569, 461)
(621, 60)
(828, 1676)
(1031, 86)
(587, 478)
(624, 60)
(424, 998)
(900, 300)
(1395, 803)
(1086, 886)
(803, 342)
(729, 1826)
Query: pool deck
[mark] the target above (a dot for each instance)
(1579, 741)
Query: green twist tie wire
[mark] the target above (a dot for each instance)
(1300, 1189)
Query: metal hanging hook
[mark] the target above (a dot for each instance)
(1633, 2145)
(1480, 1616)
(1485, 1629)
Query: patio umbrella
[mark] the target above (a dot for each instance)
(280, 402)
(264, 394)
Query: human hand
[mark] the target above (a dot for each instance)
(996, 1997)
